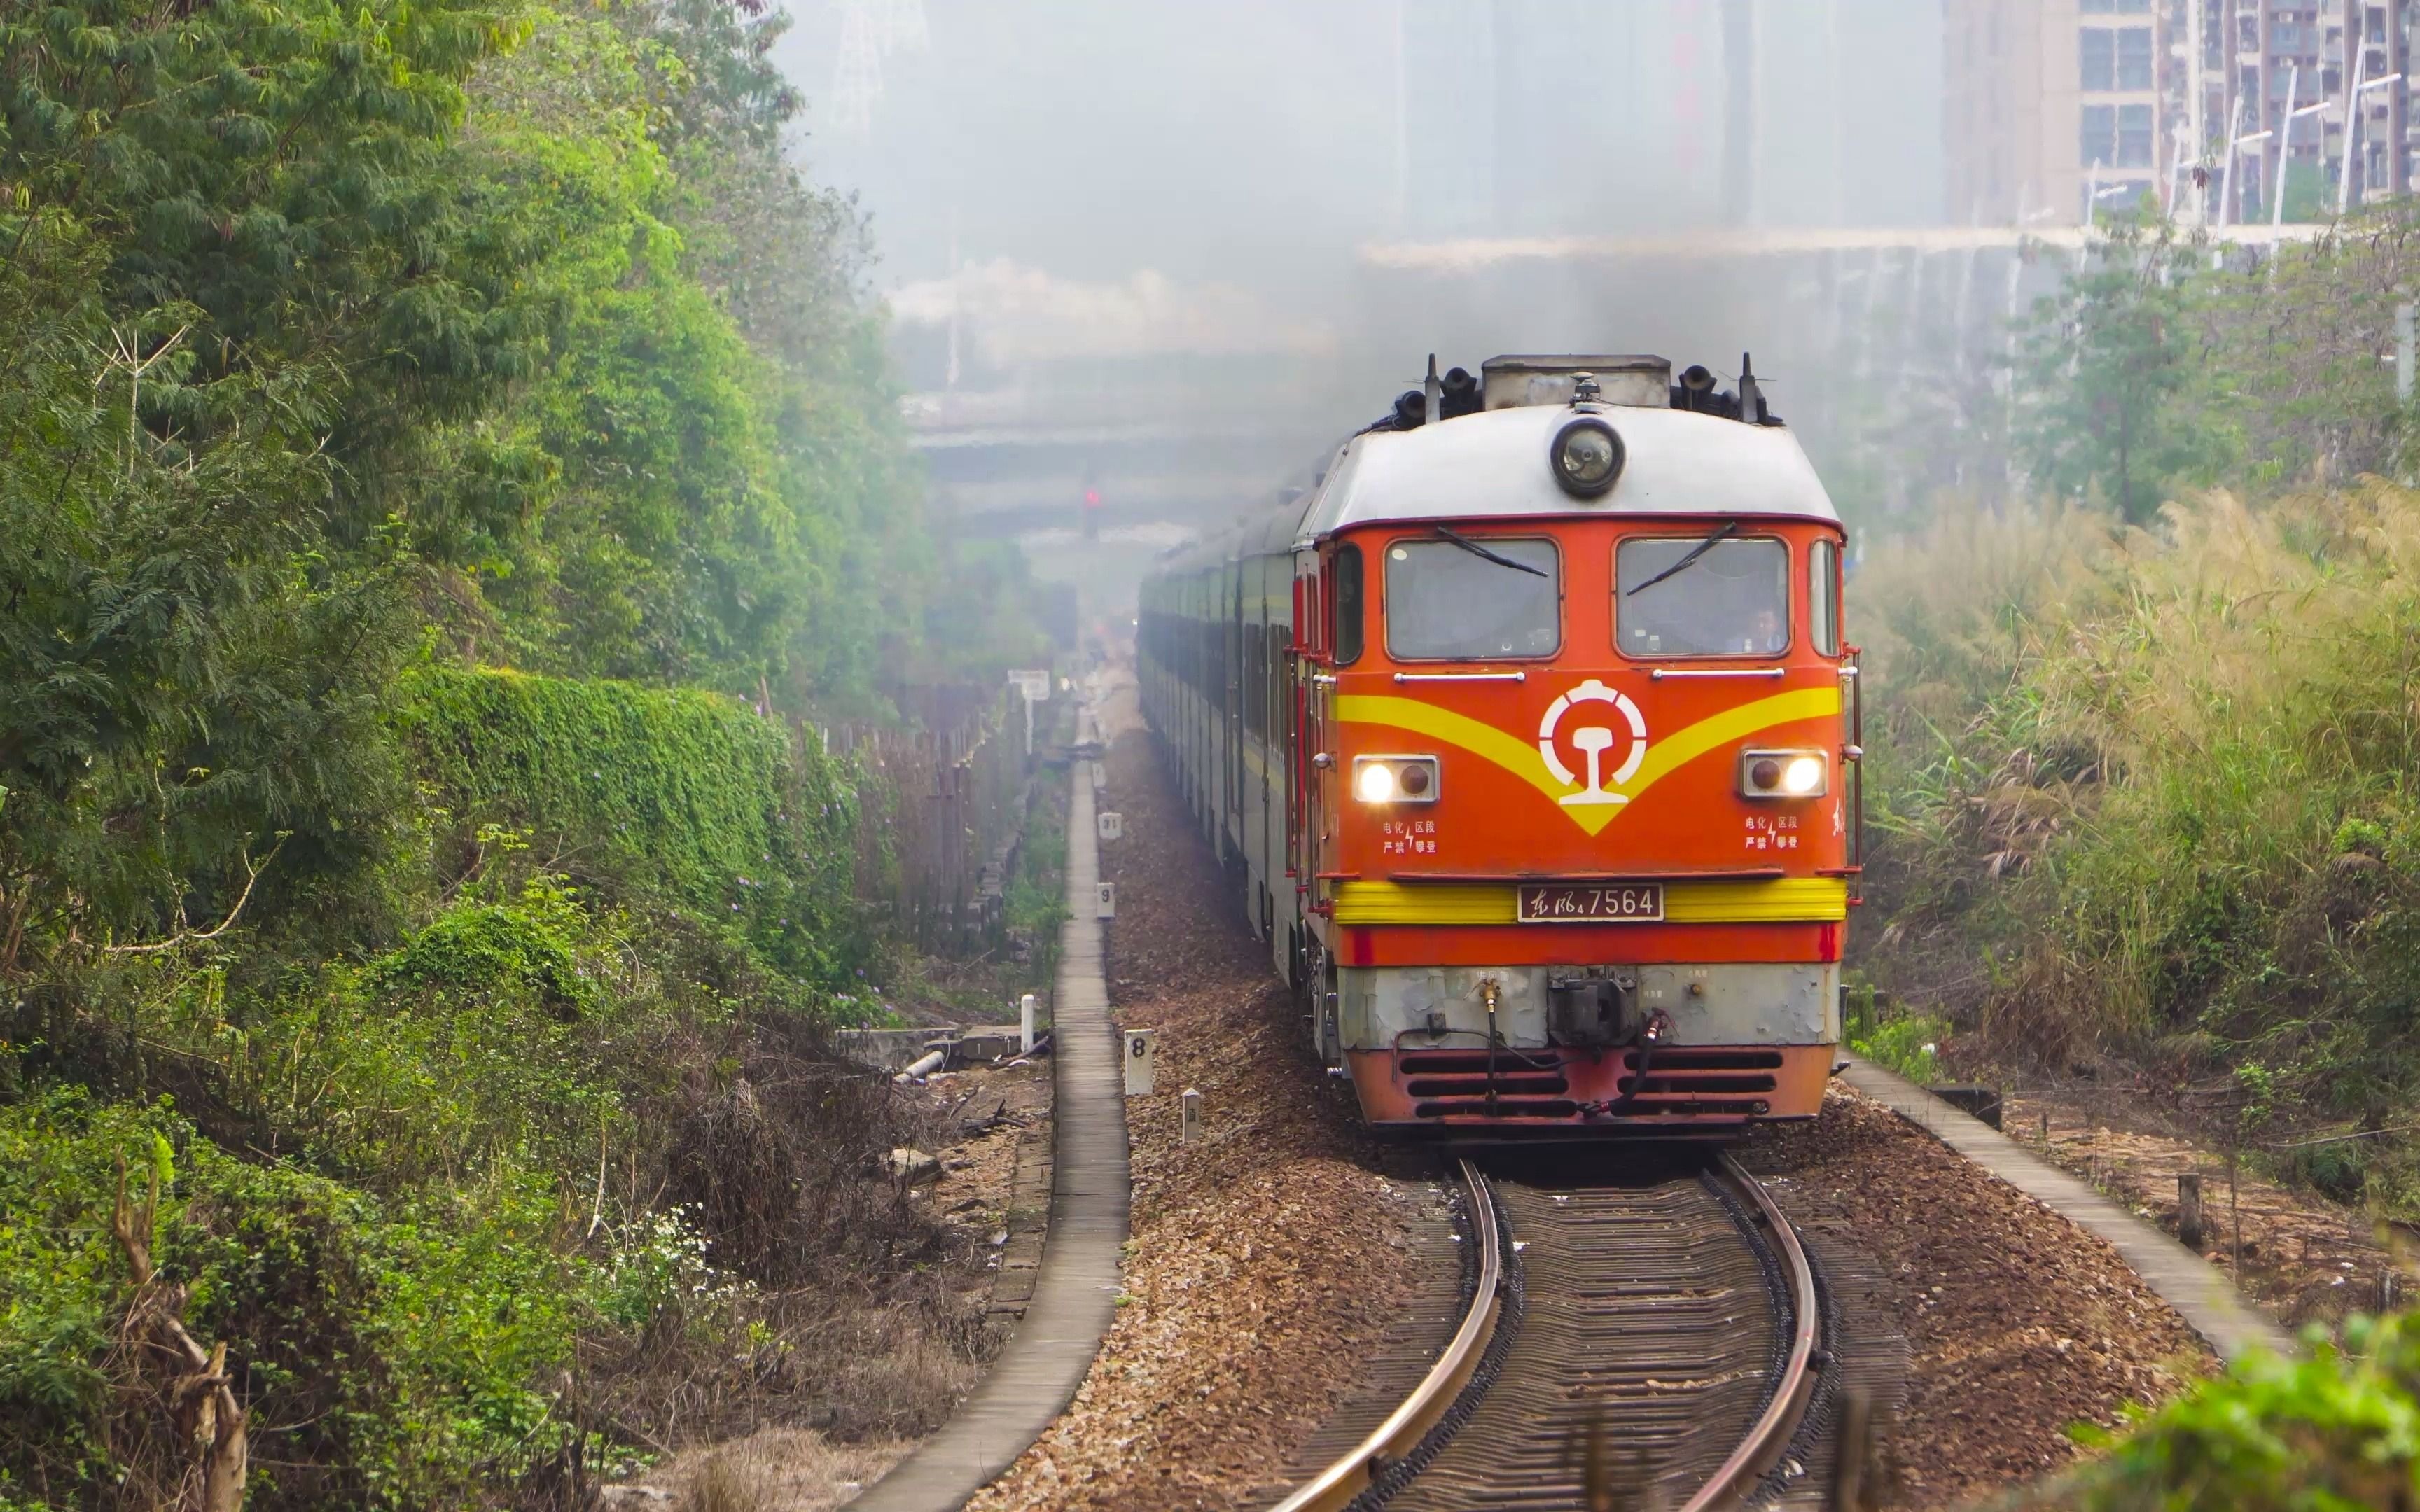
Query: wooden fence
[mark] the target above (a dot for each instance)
(941, 809)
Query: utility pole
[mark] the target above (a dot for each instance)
(2230, 111)
(2398, 97)
(2285, 152)
(957, 301)
(2196, 104)
(2356, 169)
(1403, 127)
(1835, 56)
(2269, 156)
(1739, 110)
(2356, 56)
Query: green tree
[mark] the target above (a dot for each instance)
(2098, 365)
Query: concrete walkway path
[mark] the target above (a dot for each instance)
(2197, 1289)
(1076, 1292)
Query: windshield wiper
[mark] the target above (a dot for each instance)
(1482, 552)
(1728, 528)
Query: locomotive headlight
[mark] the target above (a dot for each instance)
(1784, 773)
(1374, 783)
(1802, 778)
(1588, 455)
(1395, 778)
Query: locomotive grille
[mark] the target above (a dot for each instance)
(1724, 1082)
(1455, 1083)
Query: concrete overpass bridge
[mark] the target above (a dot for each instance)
(1014, 461)
(1843, 321)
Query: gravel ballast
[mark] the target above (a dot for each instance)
(2018, 1323)
(1266, 1254)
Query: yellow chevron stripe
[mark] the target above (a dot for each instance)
(1786, 900)
(1664, 754)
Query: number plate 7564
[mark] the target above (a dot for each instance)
(1568, 902)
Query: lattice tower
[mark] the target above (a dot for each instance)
(857, 72)
(904, 29)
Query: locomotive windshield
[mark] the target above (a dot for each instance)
(1732, 601)
(1448, 602)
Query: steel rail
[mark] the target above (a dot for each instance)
(1349, 1476)
(1762, 1447)
(1731, 1485)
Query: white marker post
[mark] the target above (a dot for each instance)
(1025, 1025)
(1105, 900)
(1143, 1056)
(1034, 684)
(1189, 1124)
(2407, 344)
(1112, 824)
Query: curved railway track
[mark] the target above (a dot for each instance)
(1652, 1337)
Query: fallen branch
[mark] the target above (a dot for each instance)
(208, 1418)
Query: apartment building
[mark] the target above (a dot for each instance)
(2056, 108)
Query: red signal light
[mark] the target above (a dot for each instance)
(1092, 498)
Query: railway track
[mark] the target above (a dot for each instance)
(1647, 1339)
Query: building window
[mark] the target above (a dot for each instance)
(2116, 7)
(2115, 136)
(2100, 146)
(2114, 58)
(2134, 137)
(2135, 57)
(2097, 46)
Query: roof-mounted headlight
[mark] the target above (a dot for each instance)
(1587, 457)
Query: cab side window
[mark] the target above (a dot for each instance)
(1346, 566)
(1824, 596)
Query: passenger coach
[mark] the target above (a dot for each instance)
(1529, 733)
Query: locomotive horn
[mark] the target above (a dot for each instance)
(1462, 397)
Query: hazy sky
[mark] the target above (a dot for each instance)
(1255, 141)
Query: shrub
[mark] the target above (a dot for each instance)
(389, 1352)
(679, 799)
(2337, 1430)
(1909, 1045)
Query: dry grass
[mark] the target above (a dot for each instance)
(2153, 792)
(779, 1470)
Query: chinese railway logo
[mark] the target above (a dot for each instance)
(1592, 741)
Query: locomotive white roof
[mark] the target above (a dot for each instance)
(1496, 463)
